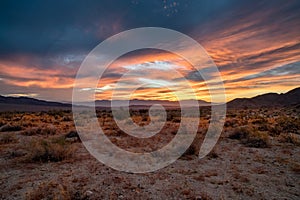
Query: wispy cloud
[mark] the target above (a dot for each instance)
(157, 65)
(255, 44)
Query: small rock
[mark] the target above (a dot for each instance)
(72, 134)
(89, 193)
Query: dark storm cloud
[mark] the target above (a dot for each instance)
(14, 78)
(289, 69)
(194, 76)
(112, 75)
(56, 94)
(284, 70)
(42, 43)
(199, 75)
(253, 35)
(263, 59)
(50, 27)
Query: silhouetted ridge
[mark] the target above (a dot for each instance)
(291, 98)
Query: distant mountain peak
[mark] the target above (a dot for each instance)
(289, 98)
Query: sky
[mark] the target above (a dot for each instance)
(254, 44)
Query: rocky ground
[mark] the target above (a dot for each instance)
(257, 157)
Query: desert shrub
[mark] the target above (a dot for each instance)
(194, 148)
(176, 120)
(54, 190)
(120, 114)
(259, 120)
(40, 131)
(7, 115)
(289, 138)
(26, 124)
(173, 114)
(32, 131)
(250, 137)
(213, 154)
(145, 118)
(7, 138)
(231, 115)
(67, 119)
(265, 127)
(72, 136)
(56, 113)
(170, 116)
(257, 139)
(46, 119)
(55, 150)
(240, 133)
(288, 124)
(72, 133)
(295, 167)
(231, 123)
(204, 196)
(49, 131)
(9, 127)
(262, 124)
(2, 123)
(173, 131)
(16, 152)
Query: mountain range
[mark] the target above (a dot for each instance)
(291, 98)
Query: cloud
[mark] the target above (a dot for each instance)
(31, 76)
(199, 75)
(284, 70)
(245, 38)
(42, 46)
(155, 83)
(49, 27)
(54, 94)
(288, 69)
(157, 65)
(112, 75)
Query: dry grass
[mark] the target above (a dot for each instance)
(55, 150)
(250, 137)
(295, 167)
(54, 190)
(288, 124)
(257, 139)
(10, 128)
(7, 138)
(213, 154)
(240, 133)
(40, 131)
(195, 146)
(49, 143)
(289, 138)
(204, 196)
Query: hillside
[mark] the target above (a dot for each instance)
(291, 98)
(29, 104)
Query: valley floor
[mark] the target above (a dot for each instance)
(234, 170)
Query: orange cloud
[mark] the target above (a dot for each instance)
(28, 76)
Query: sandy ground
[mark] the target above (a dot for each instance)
(237, 173)
(233, 171)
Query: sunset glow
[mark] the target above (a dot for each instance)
(256, 52)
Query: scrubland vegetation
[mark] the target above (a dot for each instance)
(257, 157)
